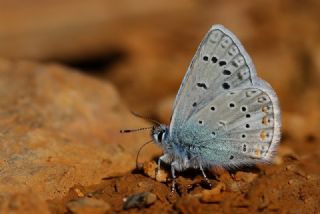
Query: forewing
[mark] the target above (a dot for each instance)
(220, 64)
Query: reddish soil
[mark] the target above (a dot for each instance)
(90, 62)
(289, 187)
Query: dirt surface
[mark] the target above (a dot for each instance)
(71, 72)
(291, 185)
(56, 132)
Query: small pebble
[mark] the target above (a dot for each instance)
(312, 177)
(88, 205)
(263, 202)
(150, 169)
(246, 177)
(213, 195)
(79, 193)
(139, 200)
(283, 152)
(229, 182)
(293, 182)
(211, 198)
(296, 170)
(240, 202)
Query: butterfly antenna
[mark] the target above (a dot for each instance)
(137, 164)
(146, 118)
(135, 130)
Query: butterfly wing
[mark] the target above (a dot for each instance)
(238, 127)
(218, 63)
(221, 66)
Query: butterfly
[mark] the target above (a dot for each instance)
(224, 114)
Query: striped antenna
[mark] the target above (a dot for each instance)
(135, 130)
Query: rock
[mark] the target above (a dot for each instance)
(213, 195)
(227, 180)
(28, 203)
(150, 169)
(239, 182)
(88, 205)
(296, 169)
(211, 198)
(240, 202)
(188, 205)
(78, 192)
(242, 181)
(59, 128)
(246, 177)
(139, 200)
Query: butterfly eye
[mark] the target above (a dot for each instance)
(161, 136)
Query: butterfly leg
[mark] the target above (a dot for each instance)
(205, 176)
(165, 158)
(158, 168)
(173, 188)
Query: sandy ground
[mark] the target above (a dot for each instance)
(68, 81)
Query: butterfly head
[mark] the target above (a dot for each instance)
(160, 134)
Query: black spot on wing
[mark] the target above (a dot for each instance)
(202, 85)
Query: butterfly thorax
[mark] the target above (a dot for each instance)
(172, 151)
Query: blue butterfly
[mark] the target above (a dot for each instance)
(224, 114)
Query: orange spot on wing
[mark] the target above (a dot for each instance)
(265, 109)
(263, 135)
(258, 152)
(265, 120)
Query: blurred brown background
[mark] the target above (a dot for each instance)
(137, 44)
(143, 49)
